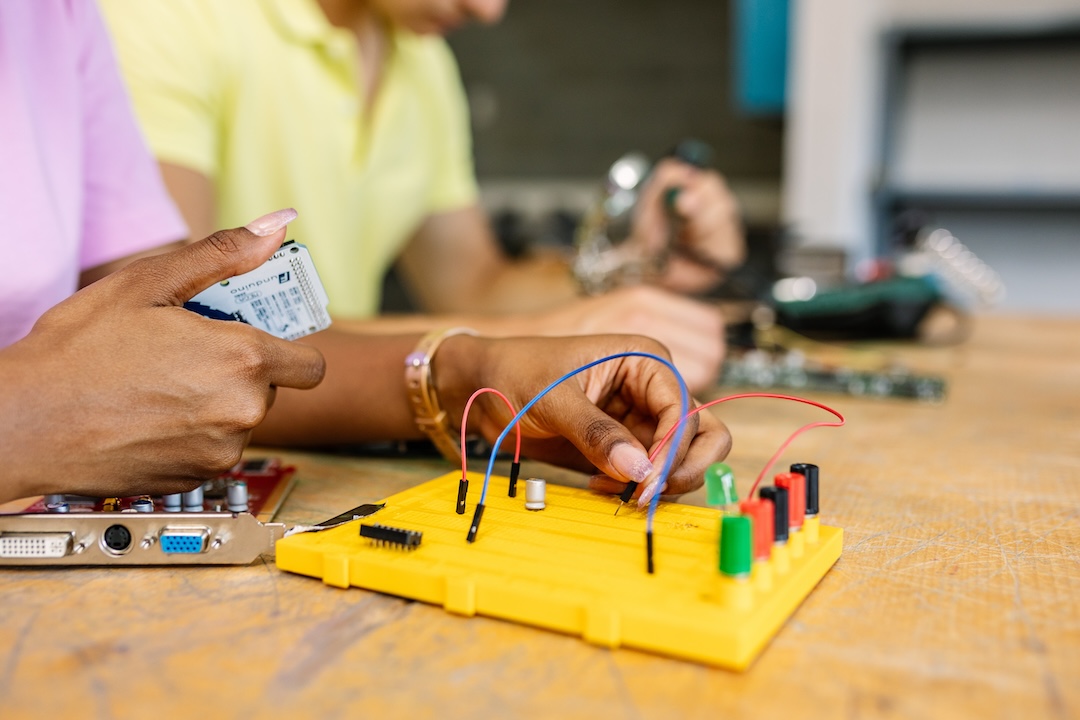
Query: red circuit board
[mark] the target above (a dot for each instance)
(268, 482)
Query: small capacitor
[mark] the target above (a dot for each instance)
(236, 492)
(58, 507)
(795, 484)
(736, 545)
(720, 485)
(193, 500)
(54, 499)
(760, 511)
(143, 505)
(810, 472)
(781, 514)
(172, 502)
(535, 494)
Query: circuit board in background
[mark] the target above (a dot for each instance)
(268, 483)
(760, 371)
(576, 568)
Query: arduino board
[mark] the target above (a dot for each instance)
(576, 567)
(284, 296)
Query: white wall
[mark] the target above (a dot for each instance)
(832, 128)
(831, 121)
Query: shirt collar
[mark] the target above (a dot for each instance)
(300, 20)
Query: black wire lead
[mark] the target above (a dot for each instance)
(515, 468)
(648, 551)
(471, 537)
(462, 494)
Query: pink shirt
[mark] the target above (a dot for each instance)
(78, 187)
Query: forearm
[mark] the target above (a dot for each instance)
(454, 265)
(517, 286)
(497, 287)
(417, 324)
(96, 273)
(361, 398)
(194, 196)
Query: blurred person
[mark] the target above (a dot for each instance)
(353, 111)
(116, 389)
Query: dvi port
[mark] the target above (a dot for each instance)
(15, 545)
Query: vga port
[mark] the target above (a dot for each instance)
(35, 544)
(183, 540)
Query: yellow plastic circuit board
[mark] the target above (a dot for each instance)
(576, 568)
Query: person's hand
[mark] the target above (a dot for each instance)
(119, 389)
(706, 224)
(692, 331)
(605, 420)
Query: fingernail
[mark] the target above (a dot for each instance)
(647, 493)
(631, 462)
(270, 224)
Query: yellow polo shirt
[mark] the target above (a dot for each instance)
(262, 97)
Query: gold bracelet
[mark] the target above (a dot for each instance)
(423, 398)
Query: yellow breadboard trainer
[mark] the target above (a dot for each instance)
(575, 568)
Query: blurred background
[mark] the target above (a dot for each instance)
(841, 126)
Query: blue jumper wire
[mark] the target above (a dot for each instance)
(676, 440)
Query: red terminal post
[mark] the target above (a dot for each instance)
(761, 512)
(795, 484)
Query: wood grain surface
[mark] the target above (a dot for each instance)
(958, 594)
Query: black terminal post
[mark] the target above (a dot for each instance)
(462, 494)
(649, 552)
(515, 470)
(810, 472)
(471, 537)
(779, 497)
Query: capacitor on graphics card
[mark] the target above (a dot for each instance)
(781, 514)
(172, 502)
(143, 505)
(810, 472)
(193, 500)
(237, 494)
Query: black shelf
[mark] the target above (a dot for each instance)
(978, 199)
(900, 45)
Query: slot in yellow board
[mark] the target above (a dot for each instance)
(575, 568)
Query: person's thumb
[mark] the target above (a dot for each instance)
(182, 274)
(604, 441)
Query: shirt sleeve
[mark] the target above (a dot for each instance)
(174, 77)
(455, 180)
(126, 207)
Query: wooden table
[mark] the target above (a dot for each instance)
(958, 594)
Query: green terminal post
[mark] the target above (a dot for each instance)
(736, 545)
(720, 486)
